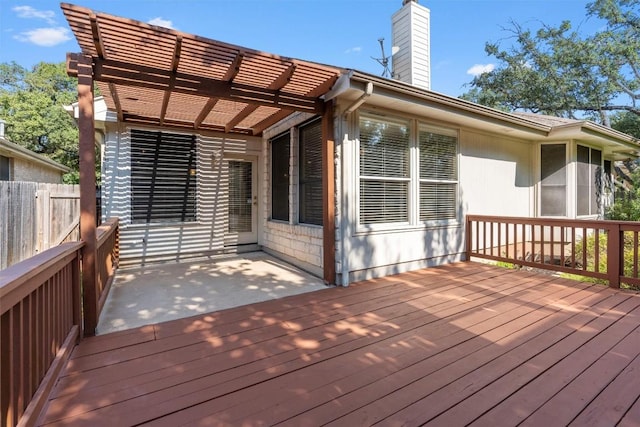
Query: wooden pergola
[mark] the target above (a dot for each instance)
(156, 76)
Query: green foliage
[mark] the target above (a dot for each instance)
(626, 206)
(557, 71)
(588, 244)
(626, 122)
(31, 103)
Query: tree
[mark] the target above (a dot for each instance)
(557, 71)
(31, 103)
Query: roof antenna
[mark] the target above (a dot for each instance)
(384, 61)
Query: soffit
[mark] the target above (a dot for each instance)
(157, 76)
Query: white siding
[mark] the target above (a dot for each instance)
(496, 176)
(411, 34)
(144, 242)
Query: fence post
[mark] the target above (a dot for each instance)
(614, 253)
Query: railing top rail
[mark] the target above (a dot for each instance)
(16, 275)
(106, 228)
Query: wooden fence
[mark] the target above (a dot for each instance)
(605, 250)
(34, 217)
(42, 309)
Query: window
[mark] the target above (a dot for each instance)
(398, 187)
(5, 166)
(280, 177)
(438, 174)
(384, 171)
(589, 180)
(310, 184)
(553, 180)
(163, 177)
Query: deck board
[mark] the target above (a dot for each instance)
(453, 345)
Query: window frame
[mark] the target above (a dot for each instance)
(414, 180)
(566, 180)
(592, 190)
(438, 130)
(7, 162)
(379, 178)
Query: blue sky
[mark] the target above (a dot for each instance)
(338, 32)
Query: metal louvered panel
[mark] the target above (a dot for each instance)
(240, 196)
(163, 177)
(311, 173)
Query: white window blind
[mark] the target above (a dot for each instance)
(438, 174)
(310, 173)
(240, 197)
(280, 177)
(384, 171)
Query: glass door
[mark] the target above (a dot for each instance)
(242, 202)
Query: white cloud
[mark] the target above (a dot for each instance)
(356, 49)
(478, 69)
(46, 37)
(160, 22)
(29, 12)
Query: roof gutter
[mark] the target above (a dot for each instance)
(455, 104)
(368, 90)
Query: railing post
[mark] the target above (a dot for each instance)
(468, 237)
(614, 254)
(76, 296)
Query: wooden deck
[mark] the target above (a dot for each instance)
(460, 344)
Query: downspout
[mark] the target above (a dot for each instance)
(345, 214)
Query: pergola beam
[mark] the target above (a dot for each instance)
(127, 74)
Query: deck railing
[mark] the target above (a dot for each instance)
(40, 324)
(605, 250)
(42, 308)
(108, 256)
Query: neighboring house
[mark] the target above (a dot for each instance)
(214, 148)
(20, 164)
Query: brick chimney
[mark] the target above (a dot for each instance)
(410, 36)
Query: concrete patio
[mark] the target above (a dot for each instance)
(162, 292)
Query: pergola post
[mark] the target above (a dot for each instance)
(328, 196)
(87, 155)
